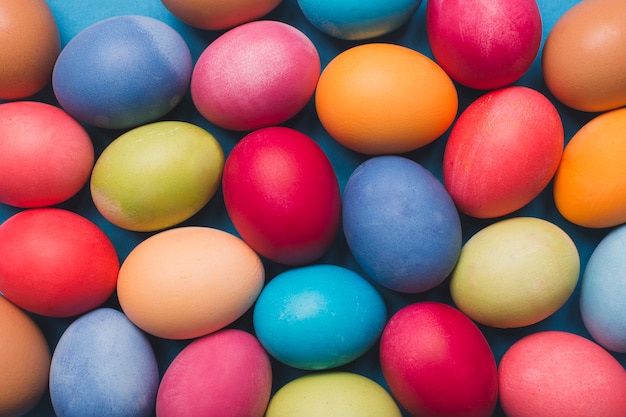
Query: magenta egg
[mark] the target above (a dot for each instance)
(255, 75)
(437, 362)
(282, 195)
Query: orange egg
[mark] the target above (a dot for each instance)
(590, 186)
(29, 47)
(381, 98)
(24, 361)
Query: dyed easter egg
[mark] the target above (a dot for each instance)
(400, 224)
(584, 59)
(56, 263)
(437, 362)
(29, 47)
(381, 98)
(24, 361)
(357, 19)
(318, 317)
(484, 45)
(603, 290)
(502, 152)
(560, 374)
(157, 175)
(189, 281)
(589, 185)
(515, 272)
(46, 156)
(255, 75)
(103, 365)
(219, 14)
(333, 393)
(282, 195)
(122, 72)
(226, 373)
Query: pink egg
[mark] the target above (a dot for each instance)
(46, 156)
(502, 151)
(258, 74)
(282, 195)
(226, 373)
(56, 263)
(561, 374)
(437, 362)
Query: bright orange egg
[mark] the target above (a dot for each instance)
(381, 98)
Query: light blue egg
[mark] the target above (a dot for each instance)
(122, 72)
(358, 19)
(603, 292)
(319, 316)
(103, 366)
(401, 224)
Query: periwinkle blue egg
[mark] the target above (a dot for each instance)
(401, 224)
(603, 291)
(122, 72)
(103, 366)
(358, 19)
(318, 316)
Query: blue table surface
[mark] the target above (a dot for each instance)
(75, 15)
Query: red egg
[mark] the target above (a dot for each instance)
(561, 374)
(502, 151)
(56, 263)
(282, 195)
(437, 362)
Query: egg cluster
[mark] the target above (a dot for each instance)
(313, 208)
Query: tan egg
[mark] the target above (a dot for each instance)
(24, 361)
(584, 57)
(29, 47)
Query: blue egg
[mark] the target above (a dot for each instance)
(319, 316)
(603, 292)
(401, 224)
(103, 366)
(358, 19)
(122, 72)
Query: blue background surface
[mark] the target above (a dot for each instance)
(74, 15)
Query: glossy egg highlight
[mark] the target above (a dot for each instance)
(318, 317)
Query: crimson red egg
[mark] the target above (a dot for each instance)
(282, 195)
(56, 263)
(437, 362)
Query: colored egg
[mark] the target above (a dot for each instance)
(318, 317)
(282, 195)
(484, 45)
(103, 365)
(559, 374)
(189, 281)
(515, 272)
(381, 98)
(358, 20)
(258, 74)
(603, 290)
(24, 361)
(56, 263)
(332, 393)
(589, 186)
(503, 150)
(400, 224)
(219, 14)
(584, 58)
(29, 47)
(46, 155)
(226, 373)
(157, 175)
(122, 72)
(437, 362)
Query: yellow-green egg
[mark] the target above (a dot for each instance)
(515, 272)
